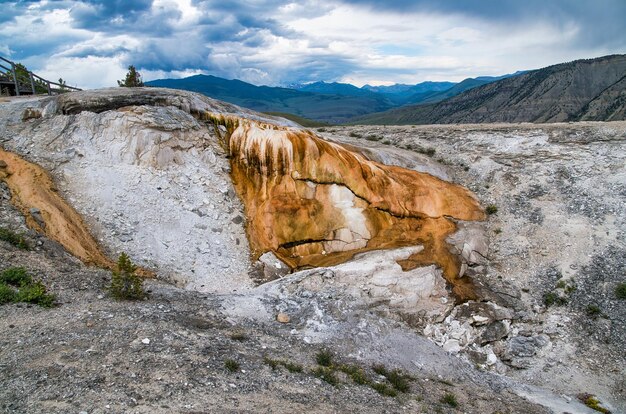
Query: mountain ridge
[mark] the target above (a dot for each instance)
(586, 89)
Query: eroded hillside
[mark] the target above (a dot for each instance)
(216, 198)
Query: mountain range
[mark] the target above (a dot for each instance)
(321, 101)
(588, 89)
(582, 90)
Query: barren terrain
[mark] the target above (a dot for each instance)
(149, 178)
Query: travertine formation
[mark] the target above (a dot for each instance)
(316, 203)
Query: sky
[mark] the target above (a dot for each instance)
(90, 43)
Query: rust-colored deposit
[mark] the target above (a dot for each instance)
(315, 203)
(32, 188)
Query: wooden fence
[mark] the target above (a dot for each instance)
(25, 82)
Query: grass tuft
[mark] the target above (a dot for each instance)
(324, 358)
(13, 238)
(450, 399)
(231, 365)
(384, 389)
(620, 290)
(491, 209)
(326, 374)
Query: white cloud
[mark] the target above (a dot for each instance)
(274, 42)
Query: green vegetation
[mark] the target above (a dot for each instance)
(16, 285)
(399, 381)
(326, 374)
(16, 276)
(273, 363)
(13, 238)
(132, 80)
(592, 402)
(384, 389)
(552, 298)
(491, 209)
(593, 310)
(356, 373)
(290, 366)
(497, 231)
(305, 122)
(380, 369)
(231, 365)
(620, 290)
(7, 294)
(373, 137)
(324, 358)
(449, 399)
(125, 284)
(355, 135)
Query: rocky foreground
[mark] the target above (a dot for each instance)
(150, 175)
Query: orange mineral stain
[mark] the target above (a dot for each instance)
(317, 203)
(32, 188)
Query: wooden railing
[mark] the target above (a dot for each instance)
(26, 82)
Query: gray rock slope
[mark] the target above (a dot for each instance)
(591, 89)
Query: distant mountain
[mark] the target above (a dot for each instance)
(331, 108)
(335, 88)
(590, 89)
(401, 94)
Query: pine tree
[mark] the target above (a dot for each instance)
(125, 284)
(132, 80)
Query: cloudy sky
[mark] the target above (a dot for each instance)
(90, 43)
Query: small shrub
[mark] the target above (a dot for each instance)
(593, 310)
(592, 402)
(321, 129)
(273, 363)
(491, 209)
(7, 294)
(292, 367)
(384, 389)
(28, 291)
(231, 365)
(398, 381)
(380, 369)
(355, 135)
(497, 231)
(125, 284)
(13, 238)
(326, 374)
(450, 399)
(552, 298)
(386, 142)
(16, 276)
(35, 293)
(620, 290)
(355, 373)
(324, 358)
(373, 137)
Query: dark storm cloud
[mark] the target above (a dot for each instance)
(600, 21)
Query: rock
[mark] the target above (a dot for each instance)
(271, 267)
(452, 346)
(237, 219)
(145, 341)
(283, 318)
(523, 346)
(494, 332)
